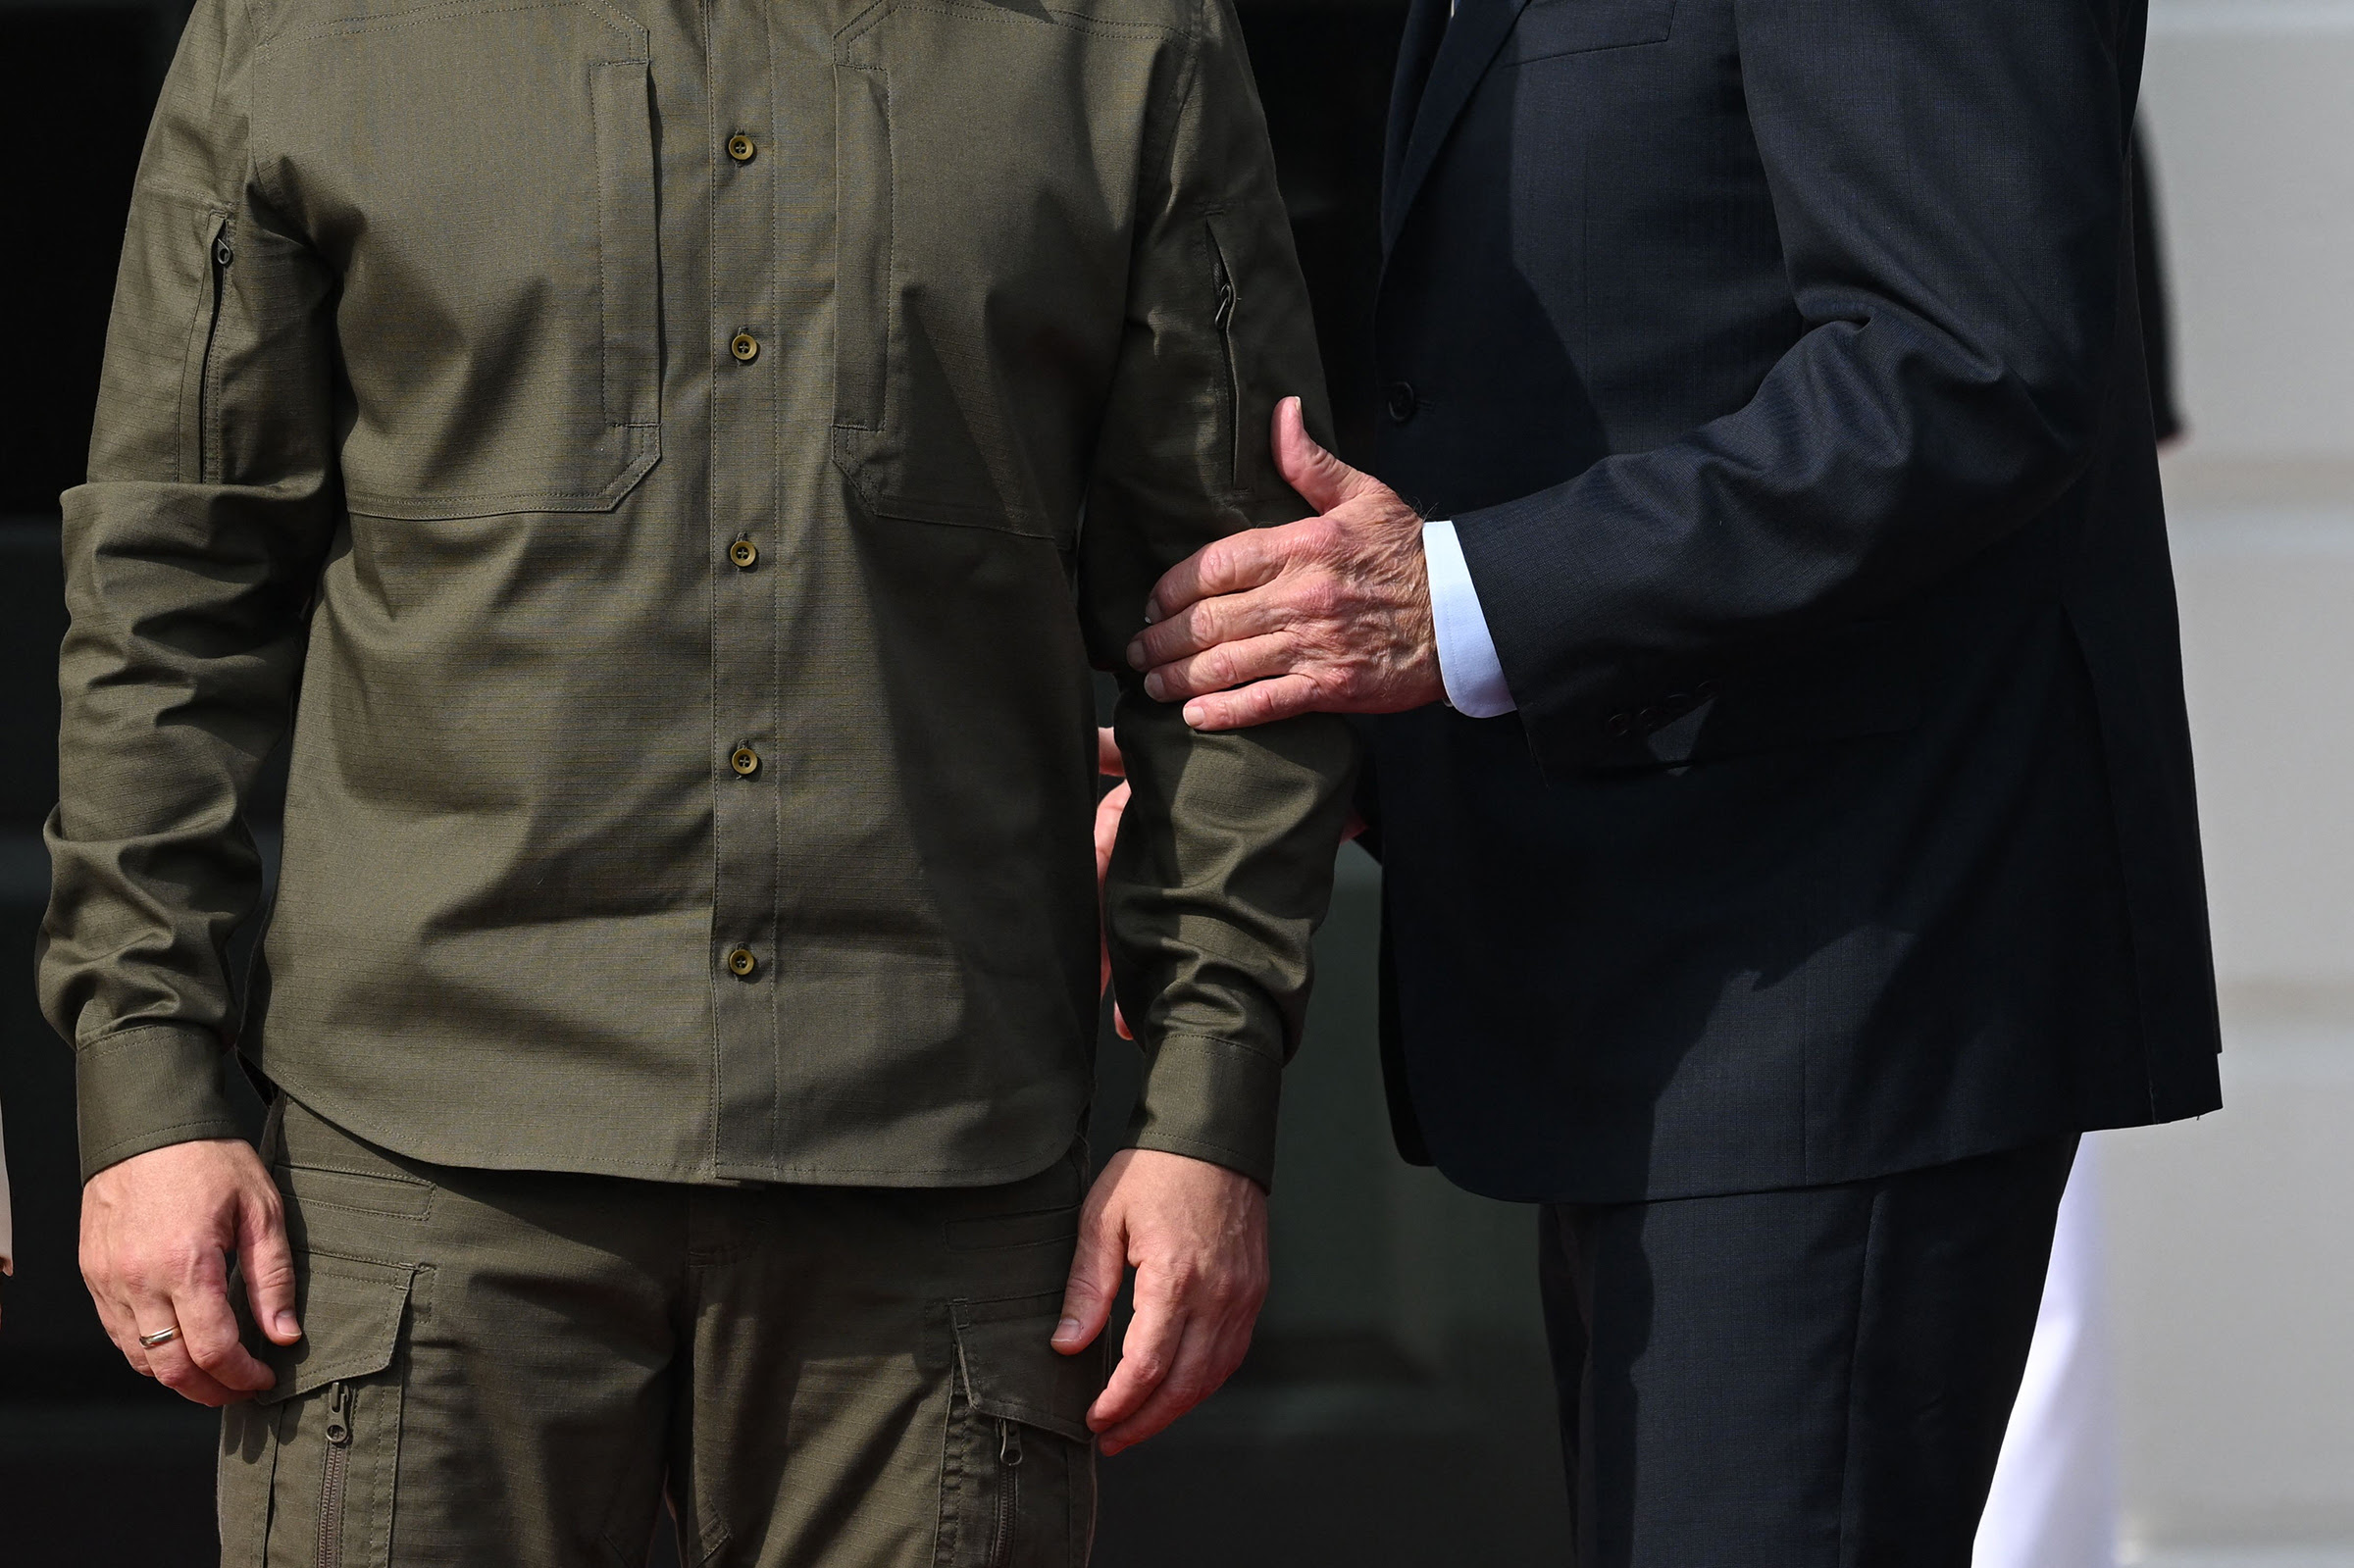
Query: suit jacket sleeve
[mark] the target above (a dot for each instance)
(1949, 182)
(1223, 868)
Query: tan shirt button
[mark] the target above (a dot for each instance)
(742, 963)
(743, 552)
(745, 346)
(746, 761)
(741, 148)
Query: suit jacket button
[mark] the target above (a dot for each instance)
(1651, 718)
(1618, 724)
(1402, 402)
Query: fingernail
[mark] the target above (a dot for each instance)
(287, 1324)
(1196, 714)
(1150, 614)
(1154, 686)
(1067, 1329)
(1136, 656)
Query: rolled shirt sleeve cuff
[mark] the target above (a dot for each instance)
(1213, 1100)
(146, 1087)
(1469, 666)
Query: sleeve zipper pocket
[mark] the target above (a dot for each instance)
(1223, 320)
(221, 250)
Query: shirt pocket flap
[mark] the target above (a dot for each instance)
(1012, 1371)
(350, 1310)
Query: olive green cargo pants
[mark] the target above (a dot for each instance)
(510, 1368)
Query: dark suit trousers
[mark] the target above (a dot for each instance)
(1816, 1377)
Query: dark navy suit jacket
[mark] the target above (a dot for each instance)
(1779, 363)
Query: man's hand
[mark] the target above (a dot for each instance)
(1327, 615)
(1196, 1233)
(1109, 812)
(157, 1231)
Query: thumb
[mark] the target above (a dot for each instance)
(1095, 1282)
(268, 1264)
(1322, 480)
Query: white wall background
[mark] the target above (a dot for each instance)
(2233, 1240)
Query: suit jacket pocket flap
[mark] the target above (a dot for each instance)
(1012, 1371)
(1861, 679)
(350, 1310)
(1549, 28)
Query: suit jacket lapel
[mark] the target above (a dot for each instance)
(1471, 40)
(1425, 28)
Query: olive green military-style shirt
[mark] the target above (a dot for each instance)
(672, 465)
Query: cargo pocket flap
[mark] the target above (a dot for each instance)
(1013, 1372)
(350, 1310)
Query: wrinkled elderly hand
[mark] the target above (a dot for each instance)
(1327, 615)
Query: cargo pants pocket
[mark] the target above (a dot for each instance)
(1018, 1478)
(308, 1469)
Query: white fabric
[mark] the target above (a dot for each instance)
(2054, 1503)
(1467, 664)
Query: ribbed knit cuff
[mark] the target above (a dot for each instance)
(1212, 1100)
(146, 1087)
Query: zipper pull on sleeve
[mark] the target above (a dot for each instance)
(338, 1414)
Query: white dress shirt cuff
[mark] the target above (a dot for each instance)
(1467, 664)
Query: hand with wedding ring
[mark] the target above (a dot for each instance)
(159, 1232)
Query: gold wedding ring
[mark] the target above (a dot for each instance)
(160, 1336)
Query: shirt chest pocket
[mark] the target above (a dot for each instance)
(1552, 27)
(481, 177)
(984, 182)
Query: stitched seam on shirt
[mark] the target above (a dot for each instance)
(473, 498)
(1159, 147)
(890, 245)
(400, 20)
(107, 1042)
(1199, 1148)
(597, 131)
(1247, 1048)
(220, 1126)
(770, 621)
(716, 1089)
(1077, 22)
(174, 1127)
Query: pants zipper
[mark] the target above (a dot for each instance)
(331, 1478)
(1010, 1493)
